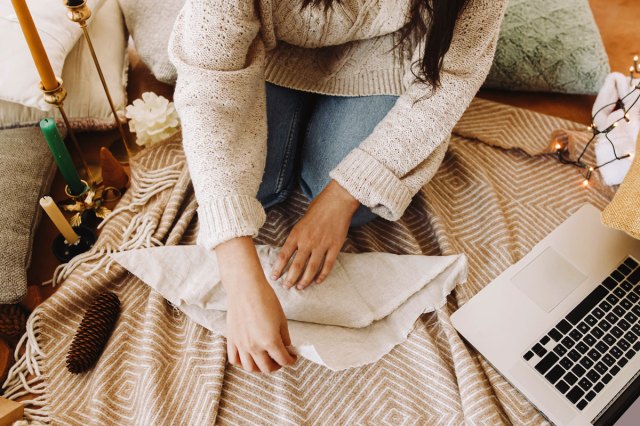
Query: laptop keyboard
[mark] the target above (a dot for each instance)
(585, 350)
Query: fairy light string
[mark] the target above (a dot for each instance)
(562, 151)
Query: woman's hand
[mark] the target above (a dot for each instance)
(257, 330)
(317, 238)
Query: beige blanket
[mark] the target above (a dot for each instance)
(489, 201)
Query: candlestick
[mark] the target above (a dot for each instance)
(61, 156)
(80, 13)
(35, 44)
(54, 213)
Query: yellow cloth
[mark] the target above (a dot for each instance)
(623, 212)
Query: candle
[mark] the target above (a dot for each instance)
(34, 42)
(54, 213)
(635, 63)
(61, 156)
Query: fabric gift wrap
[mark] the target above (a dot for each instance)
(366, 306)
(623, 137)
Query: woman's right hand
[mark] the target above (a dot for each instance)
(257, 330)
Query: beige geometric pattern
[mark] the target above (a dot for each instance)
(487, 200)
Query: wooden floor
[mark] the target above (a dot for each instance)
(619, 22)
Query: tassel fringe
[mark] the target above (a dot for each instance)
(26, 378)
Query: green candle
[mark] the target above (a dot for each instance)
(61, 156)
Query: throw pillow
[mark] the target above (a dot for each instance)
(549, 46)
(19, 80)
(28, 170)
(150, 26)
(86, 104)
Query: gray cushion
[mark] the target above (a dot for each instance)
(27, 171)
(150, 24)
(549, 46)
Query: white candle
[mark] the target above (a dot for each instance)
(54, 213)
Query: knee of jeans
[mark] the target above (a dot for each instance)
(362, 216)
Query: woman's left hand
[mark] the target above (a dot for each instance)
(317, 238)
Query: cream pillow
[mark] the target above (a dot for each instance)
(86, 104)
(19, 78)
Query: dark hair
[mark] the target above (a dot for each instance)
(442, 16)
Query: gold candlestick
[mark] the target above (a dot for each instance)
(80, 14)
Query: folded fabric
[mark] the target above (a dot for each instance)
(366, 306)
(19, 79)
(622, 139)
(86, 104)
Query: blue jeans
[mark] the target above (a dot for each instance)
(308, 135)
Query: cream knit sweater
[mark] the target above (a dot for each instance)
(225, 50)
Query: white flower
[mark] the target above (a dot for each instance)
(153, 119)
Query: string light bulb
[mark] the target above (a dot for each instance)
(619, 104)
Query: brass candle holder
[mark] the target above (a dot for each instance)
(79, 12)
(90, 206)
(56, 97)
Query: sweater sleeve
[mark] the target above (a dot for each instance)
(220, 97)
(406, 148)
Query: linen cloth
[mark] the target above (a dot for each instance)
(368, 303)
(494, 197)
(622, 139)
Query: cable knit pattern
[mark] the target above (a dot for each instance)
(224, 51)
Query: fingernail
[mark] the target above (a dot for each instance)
(299, 287)
(274, 277)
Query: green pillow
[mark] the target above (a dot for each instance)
(549, 46)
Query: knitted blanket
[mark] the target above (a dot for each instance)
(493, 198)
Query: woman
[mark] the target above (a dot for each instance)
(352, 99)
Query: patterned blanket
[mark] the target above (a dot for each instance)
(494, 197)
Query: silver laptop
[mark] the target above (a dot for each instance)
(563, 324)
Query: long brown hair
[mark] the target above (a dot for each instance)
(442, 16)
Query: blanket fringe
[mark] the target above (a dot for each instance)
(26, 376)
(139, 231)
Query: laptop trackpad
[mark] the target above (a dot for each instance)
(548, 279)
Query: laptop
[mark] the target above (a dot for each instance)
(563, 324)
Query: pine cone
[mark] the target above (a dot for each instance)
(13, 322)
(93, 333)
